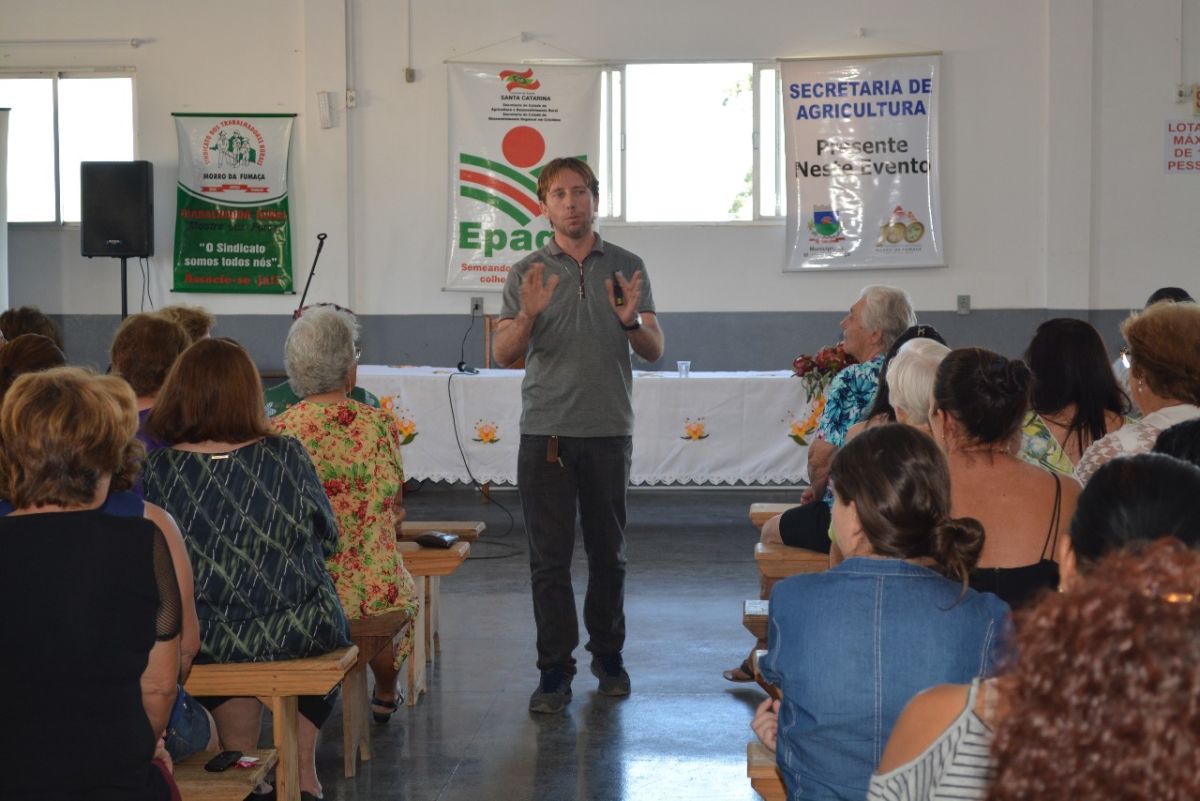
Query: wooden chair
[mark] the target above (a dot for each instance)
(427, 566)
(370, 635)
(762, 512)
(764, 772)
(277, 685)
(754, 617)
(467, 530)
(776, 561)
(197, 784)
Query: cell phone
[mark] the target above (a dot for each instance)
(222, 761)
(618, 293)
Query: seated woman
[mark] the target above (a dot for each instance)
(979, 401)
(94, 689)
(27, 353)
(883, 409)
(356, 450)
(1164, 380)
(908, 381)
(258, 528)
(943, 738)
(143, 350)
(1076, 398)
(282, 397)
(190, 727)
(848, 647)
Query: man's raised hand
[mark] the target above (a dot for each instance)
(536, 291)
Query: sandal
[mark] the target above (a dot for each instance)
(390, 706)
(741, 674)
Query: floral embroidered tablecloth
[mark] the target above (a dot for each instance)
(708, 428)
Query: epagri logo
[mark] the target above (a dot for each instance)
(520, 80)
(509, 188)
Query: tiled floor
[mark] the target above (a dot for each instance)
(681, 735)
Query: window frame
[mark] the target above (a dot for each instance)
(613, 146)
(56, 74)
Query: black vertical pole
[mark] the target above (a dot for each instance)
(124, 289)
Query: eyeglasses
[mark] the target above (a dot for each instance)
(1125, 357)
(357, 353)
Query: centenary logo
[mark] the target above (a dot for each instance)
(903, 229)
(233, 143)
(523, 81)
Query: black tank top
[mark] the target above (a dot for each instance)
(1017, 586)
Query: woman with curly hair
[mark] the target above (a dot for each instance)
(848, 647)
(1103, 703)
(942, 746)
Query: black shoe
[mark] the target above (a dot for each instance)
(552, 693)
(610, 669)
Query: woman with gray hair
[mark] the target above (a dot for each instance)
(910, 378)
(356, 450)
(876, 319)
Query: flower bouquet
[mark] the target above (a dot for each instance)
(816, 371)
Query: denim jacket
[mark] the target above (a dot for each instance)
(850, 647)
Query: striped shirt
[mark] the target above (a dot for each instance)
(957, 765)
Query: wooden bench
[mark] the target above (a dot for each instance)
(197, 784)
(764, 772)
(427, 566)
(277, 685)
(467, 530)
(776, 561)
(754, 617)
(370, 635)
(762, 512)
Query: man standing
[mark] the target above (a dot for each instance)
(574, 309)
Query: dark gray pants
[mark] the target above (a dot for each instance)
(589, 479)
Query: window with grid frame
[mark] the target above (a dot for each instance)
(57, 120)
(697, 142)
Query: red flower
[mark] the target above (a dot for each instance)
(346, 415)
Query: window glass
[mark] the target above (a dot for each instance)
(30, 148)
(689, 142)
(95, 123)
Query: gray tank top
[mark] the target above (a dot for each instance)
(957, 765)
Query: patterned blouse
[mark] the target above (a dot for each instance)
(1132, 438)
(257, 529)
(356, 450)
(1039, 447)
(848, 398)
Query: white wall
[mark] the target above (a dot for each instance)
(1053, 189)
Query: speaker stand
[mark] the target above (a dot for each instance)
(124, 288)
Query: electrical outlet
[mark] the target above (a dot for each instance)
(964, 304)
(476, 307)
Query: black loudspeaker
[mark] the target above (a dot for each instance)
(117, 201)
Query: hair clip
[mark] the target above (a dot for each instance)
(1178, 597)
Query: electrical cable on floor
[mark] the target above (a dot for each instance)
(513, 549)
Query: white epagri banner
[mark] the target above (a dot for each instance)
(506, 122)
(862, 151)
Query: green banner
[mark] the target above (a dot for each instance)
(232, 224)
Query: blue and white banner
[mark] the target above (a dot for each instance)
(862, 149)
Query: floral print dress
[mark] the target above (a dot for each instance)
(356, 451)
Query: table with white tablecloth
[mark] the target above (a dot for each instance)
(708, 428)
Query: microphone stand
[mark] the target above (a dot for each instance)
(311, 273)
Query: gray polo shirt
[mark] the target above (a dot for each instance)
(578, 376)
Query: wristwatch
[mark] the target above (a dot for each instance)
(637, 323)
